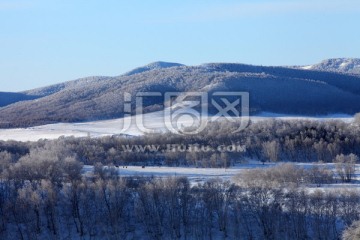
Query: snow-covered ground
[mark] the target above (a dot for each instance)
(155, 122)
(92, 129)
(202, 174)
(194, 174)
(266, 115)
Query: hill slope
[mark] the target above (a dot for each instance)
(272, 89)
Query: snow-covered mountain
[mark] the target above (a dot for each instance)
(272, 89)
(345, 65)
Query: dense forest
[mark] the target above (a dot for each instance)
(102, 205)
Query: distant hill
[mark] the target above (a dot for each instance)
(48, 90)
(7, 98)
(272, 89)
(344, 65)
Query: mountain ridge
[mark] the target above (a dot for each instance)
(272, 89)
(153, 66)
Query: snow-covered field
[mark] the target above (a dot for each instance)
(194, 174)
(202, 174)
(92, 129)
(153, 121)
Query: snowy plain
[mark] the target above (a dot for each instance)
(153, 122)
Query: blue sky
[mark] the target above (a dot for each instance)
(45, 42)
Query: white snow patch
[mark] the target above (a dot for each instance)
(307, 67)
(336, 116)
(345, 64)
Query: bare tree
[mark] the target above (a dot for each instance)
(271, 150)
(319, 174)
(345, 166)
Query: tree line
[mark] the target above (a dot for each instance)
(272, 140)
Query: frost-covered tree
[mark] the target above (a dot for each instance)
(352, 232)
(345, 166)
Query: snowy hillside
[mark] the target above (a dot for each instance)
(345, 65)
(282, 90)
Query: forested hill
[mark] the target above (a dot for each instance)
(285, 90)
